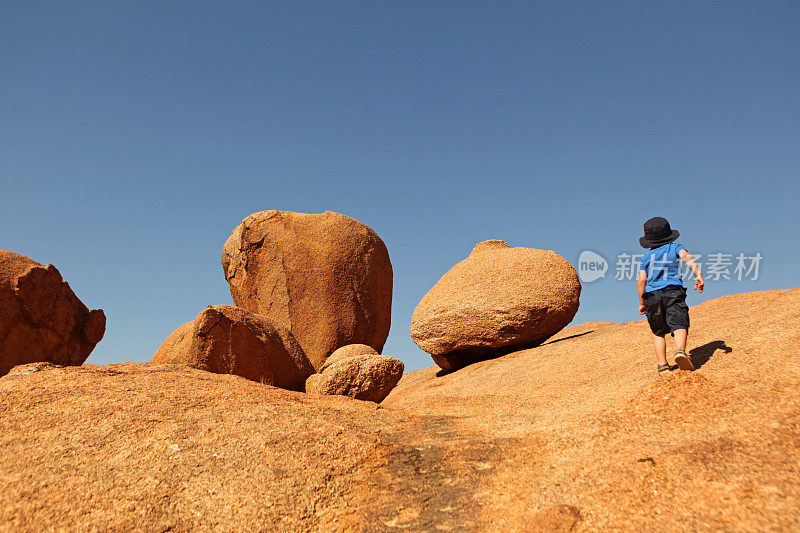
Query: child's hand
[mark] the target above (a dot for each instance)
(699, 284)
(642, 309)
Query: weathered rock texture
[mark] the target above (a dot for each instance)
(578, 432)
(363, 377)
(345, 352)
(325, 277)
(496, 300)
(41, 319)
(229, 340)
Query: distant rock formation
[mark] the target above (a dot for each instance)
(368, 377)
(325, 277)
(229, 340)
(496, 300)
(41, 319)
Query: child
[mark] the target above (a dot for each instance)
(662, 296)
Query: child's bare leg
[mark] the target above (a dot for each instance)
(680, 338)
(660, 344)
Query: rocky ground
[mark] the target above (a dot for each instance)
(578, 433)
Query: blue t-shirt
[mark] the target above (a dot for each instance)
(662, 266)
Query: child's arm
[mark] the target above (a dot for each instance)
(699, 284)
(642, 282)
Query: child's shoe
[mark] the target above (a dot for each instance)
(663, 369)
(683, 361)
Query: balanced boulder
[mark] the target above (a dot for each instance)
(363, 377)
(495, 301)
(325, 277)
(229, 340)
(41, 319)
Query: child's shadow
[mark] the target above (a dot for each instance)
(702, 354)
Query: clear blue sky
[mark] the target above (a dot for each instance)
(137, 135)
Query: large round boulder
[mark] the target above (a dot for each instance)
(368, 377)
(497, 300)
(229, 340)
(325, 277)
(41, 319)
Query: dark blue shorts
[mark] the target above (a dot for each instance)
(667, 309)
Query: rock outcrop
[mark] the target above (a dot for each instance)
(363, 377)
(229, 340)
(325, 277)
(578, 434)
(496, 300)
(41, 319)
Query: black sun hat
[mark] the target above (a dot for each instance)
(658, 233)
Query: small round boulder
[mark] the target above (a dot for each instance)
(363, 377)
(345, 352)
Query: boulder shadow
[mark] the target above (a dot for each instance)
(469, 358)
(702, 354)
(463, 358)
(569, 337)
